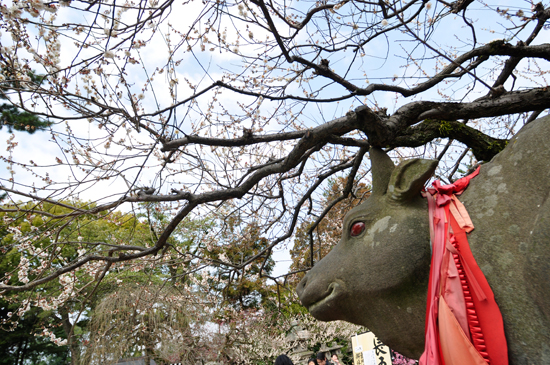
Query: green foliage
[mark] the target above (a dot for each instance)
(14, 118)
(78, 234)
(18, 344)
(107, 310)
(35, 225)
(284, 302)
(236, 243)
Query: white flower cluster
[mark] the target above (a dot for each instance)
(47, 333)
(7, 278)
(28, 251)
(66, 279)
(36, 6)
(223, 257)
(24, 308)
(13, 12)
(54, 54)
(55, 303)
(23, 273)
(109, 54)
(44, 304)
(68, 283)
(16, 232)
(92, 268)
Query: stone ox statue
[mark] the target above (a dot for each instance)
(379, 278)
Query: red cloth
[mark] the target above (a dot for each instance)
(463, 321)
(490, 318)
(456, 347)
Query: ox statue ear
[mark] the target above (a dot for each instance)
(382, 168)
(409, 177)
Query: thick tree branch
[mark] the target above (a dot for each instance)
(480, 54)
(460, 5)
(250, 139)
(508, 103)
(246, 140)
(483, 146)
(383, 131)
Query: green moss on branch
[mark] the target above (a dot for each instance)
(483, 146)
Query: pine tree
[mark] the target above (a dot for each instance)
(13, 117)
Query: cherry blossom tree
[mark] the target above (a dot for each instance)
(222, 108)
(62, 306)
(162, 322)
(257, 341)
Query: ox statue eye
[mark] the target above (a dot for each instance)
(357, 228)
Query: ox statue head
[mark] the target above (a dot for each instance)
(377, 275)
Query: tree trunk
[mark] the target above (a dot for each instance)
(71, 338)
(22, 351)
(18, 353)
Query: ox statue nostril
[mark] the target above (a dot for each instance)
(301, 286)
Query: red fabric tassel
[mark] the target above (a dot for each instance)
(484, 321)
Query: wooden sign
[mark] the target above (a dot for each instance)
(369, 350)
